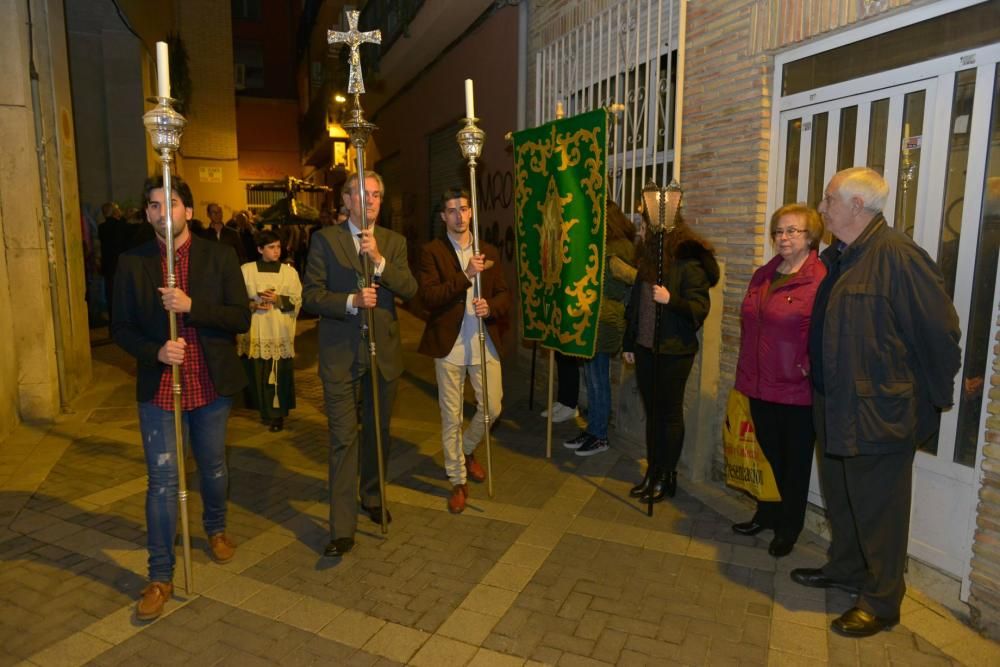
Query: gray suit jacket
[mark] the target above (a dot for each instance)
(333, 272)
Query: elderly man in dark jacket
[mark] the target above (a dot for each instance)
(884, 348)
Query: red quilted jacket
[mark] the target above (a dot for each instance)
(774, 358)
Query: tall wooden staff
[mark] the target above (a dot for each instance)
(359, 130)
(165, 127)
(471, 139)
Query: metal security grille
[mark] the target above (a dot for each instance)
(624, 55)
(259, 200)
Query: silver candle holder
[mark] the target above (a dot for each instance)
(165, 127)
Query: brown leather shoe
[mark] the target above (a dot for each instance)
(154, 596)
(221, 547)
(456, 502)
(474, 471)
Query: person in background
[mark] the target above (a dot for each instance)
(773, 370)
(218, 232)
(243, 225)
(114, 237)
(269, 347)
(619, 277)
(566, 405)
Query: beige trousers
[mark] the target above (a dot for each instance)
(451, 397)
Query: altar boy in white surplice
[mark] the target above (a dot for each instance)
(268, 348)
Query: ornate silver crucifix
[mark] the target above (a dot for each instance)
(354, 39)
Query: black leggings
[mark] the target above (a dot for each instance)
(568, 373)
(665, 410)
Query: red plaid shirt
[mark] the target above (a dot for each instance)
(197, 389)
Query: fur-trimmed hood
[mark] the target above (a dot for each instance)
(694, 249)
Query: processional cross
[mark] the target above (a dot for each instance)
(359, 130)
(353, 38)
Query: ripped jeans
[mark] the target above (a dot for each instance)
(205, 433)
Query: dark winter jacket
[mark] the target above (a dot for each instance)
(890, 345)
(687, 276)
(618, 281)
(774, 343)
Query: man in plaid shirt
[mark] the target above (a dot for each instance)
(210, 300)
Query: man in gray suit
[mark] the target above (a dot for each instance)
(332, 289)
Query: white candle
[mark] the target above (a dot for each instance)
(162, 70)
(470, 107)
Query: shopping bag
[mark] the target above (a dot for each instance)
(746, 466)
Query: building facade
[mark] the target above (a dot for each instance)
(47, 358)
(267, 108)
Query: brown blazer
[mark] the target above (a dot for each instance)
(443, 285)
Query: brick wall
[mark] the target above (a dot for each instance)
(724, 151)
(206, 29)
(984, 595)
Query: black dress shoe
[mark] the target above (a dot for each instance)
(814, 577)
(338, 547)
(277, 424)
(640, 489)
(375, 513)
(856, 622)
(747, 528)
(780, 547)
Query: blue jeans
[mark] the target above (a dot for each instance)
(596, 374)
(205, 432)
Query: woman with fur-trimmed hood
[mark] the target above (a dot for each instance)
(689, 270)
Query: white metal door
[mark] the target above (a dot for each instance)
(935, 136)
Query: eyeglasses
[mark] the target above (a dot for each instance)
(791, 232)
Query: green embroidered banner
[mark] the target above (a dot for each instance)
(560, 176)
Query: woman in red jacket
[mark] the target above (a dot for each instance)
(773, 369)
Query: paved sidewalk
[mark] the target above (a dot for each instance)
(559, 568)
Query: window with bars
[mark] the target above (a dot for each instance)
(625, 55)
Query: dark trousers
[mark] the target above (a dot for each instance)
(347, 404)
(868, 504)
(786, 435)
(568, 374)
(109, 290)
(664, 407)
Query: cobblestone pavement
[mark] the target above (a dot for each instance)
(560, 567)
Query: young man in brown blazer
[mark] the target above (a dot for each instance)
(447, 272)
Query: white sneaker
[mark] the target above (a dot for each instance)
(564, 413)
(556, 407)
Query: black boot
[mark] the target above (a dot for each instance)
(642, 487)
(671, 484)
(664, 486)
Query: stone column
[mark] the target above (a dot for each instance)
(46, 357)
